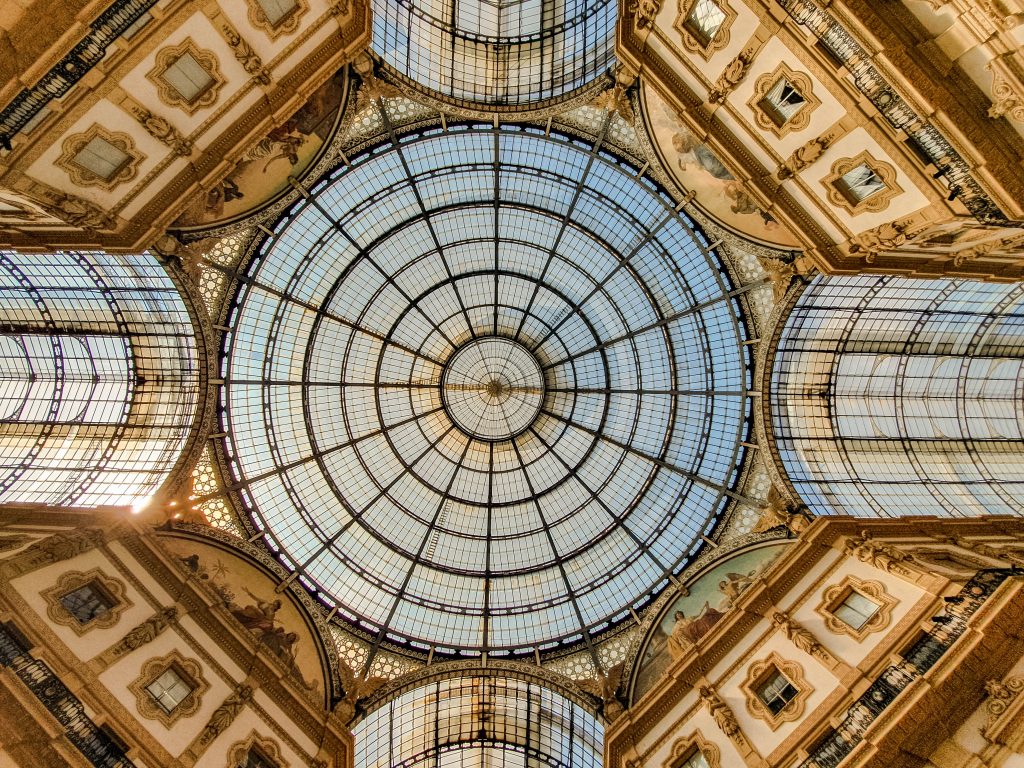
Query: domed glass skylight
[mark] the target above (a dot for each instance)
(485, 389)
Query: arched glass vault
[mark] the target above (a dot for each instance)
(479, 722)
(892, 396)
(485, 389)
(500, 52)
(98, 378)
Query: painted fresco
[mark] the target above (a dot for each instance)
(687, 619)
(248, 595)
(697, 168)
(263, 171)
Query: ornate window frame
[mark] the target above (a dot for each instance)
(72, 580)
(801, 118)
(879, 201)
(683, 749)
(284, 26)
(170, 95)
(81, 175)
(758, 672)
(836, 594)
(238, 751)
(188, 669)
(721, 37)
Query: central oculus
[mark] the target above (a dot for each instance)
(492, 388)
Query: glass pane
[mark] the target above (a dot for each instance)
(855, 610)
(88, 602)
(276, 10)
(704, 20)
(101, 157)
(169, 690)
(187, 77)
(860, 183)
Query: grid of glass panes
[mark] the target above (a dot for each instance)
(496, 51)
(859, 183)
(776, 691)
(87, 602)
(704, 20)
(277, 10)
(188, 77)
(695, 760)
(169, 689)
(893, 396)
(101, 158)
(479, 722)
(855, 609)
(782, 102)
(349, 459)
(98, 377)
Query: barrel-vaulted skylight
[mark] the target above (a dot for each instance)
(485, 389)
(504, 52)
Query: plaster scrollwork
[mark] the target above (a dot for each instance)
(616, 98)
(54, 549)
(226, 713)
(733, 74)
(802, 638)
(72, 210)
(644, 13)
(886, 237)
(246, 56)
(1001, 694)
(723, 716)
(803, 157)
(1007, 96)
(604, 687)
(145, 632)
(881, 556)
(161, 130)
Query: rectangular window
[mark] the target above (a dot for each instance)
(859, 183)
(256, 759)
(88, 602)
(170, 689)
(704, 20)
(776, 692)
(855, 610)
(782, 102)
(277, 10)
(101, 158)
(695, 760)
(187, 77)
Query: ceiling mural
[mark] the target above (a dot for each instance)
(697, 168)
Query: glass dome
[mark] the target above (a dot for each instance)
(485, 389)
(503, 52)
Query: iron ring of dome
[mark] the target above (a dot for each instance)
(492, 388)
(362, 321)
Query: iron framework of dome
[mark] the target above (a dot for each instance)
(511, 53)
(485, 390)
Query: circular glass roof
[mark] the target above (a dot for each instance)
(485, 389)
(505, 52)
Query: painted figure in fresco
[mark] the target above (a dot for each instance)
(733, 585)
(258, 618)
(688, 630)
